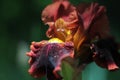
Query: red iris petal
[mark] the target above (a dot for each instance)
(47, 59)
(106, 54)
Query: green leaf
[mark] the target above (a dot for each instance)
(69, 70)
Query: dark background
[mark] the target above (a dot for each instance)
(20, 24)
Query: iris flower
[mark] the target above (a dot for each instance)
(83, 32)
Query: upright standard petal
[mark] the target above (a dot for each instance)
(56, 11)
(94, 19)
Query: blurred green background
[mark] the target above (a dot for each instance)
(20, 24)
